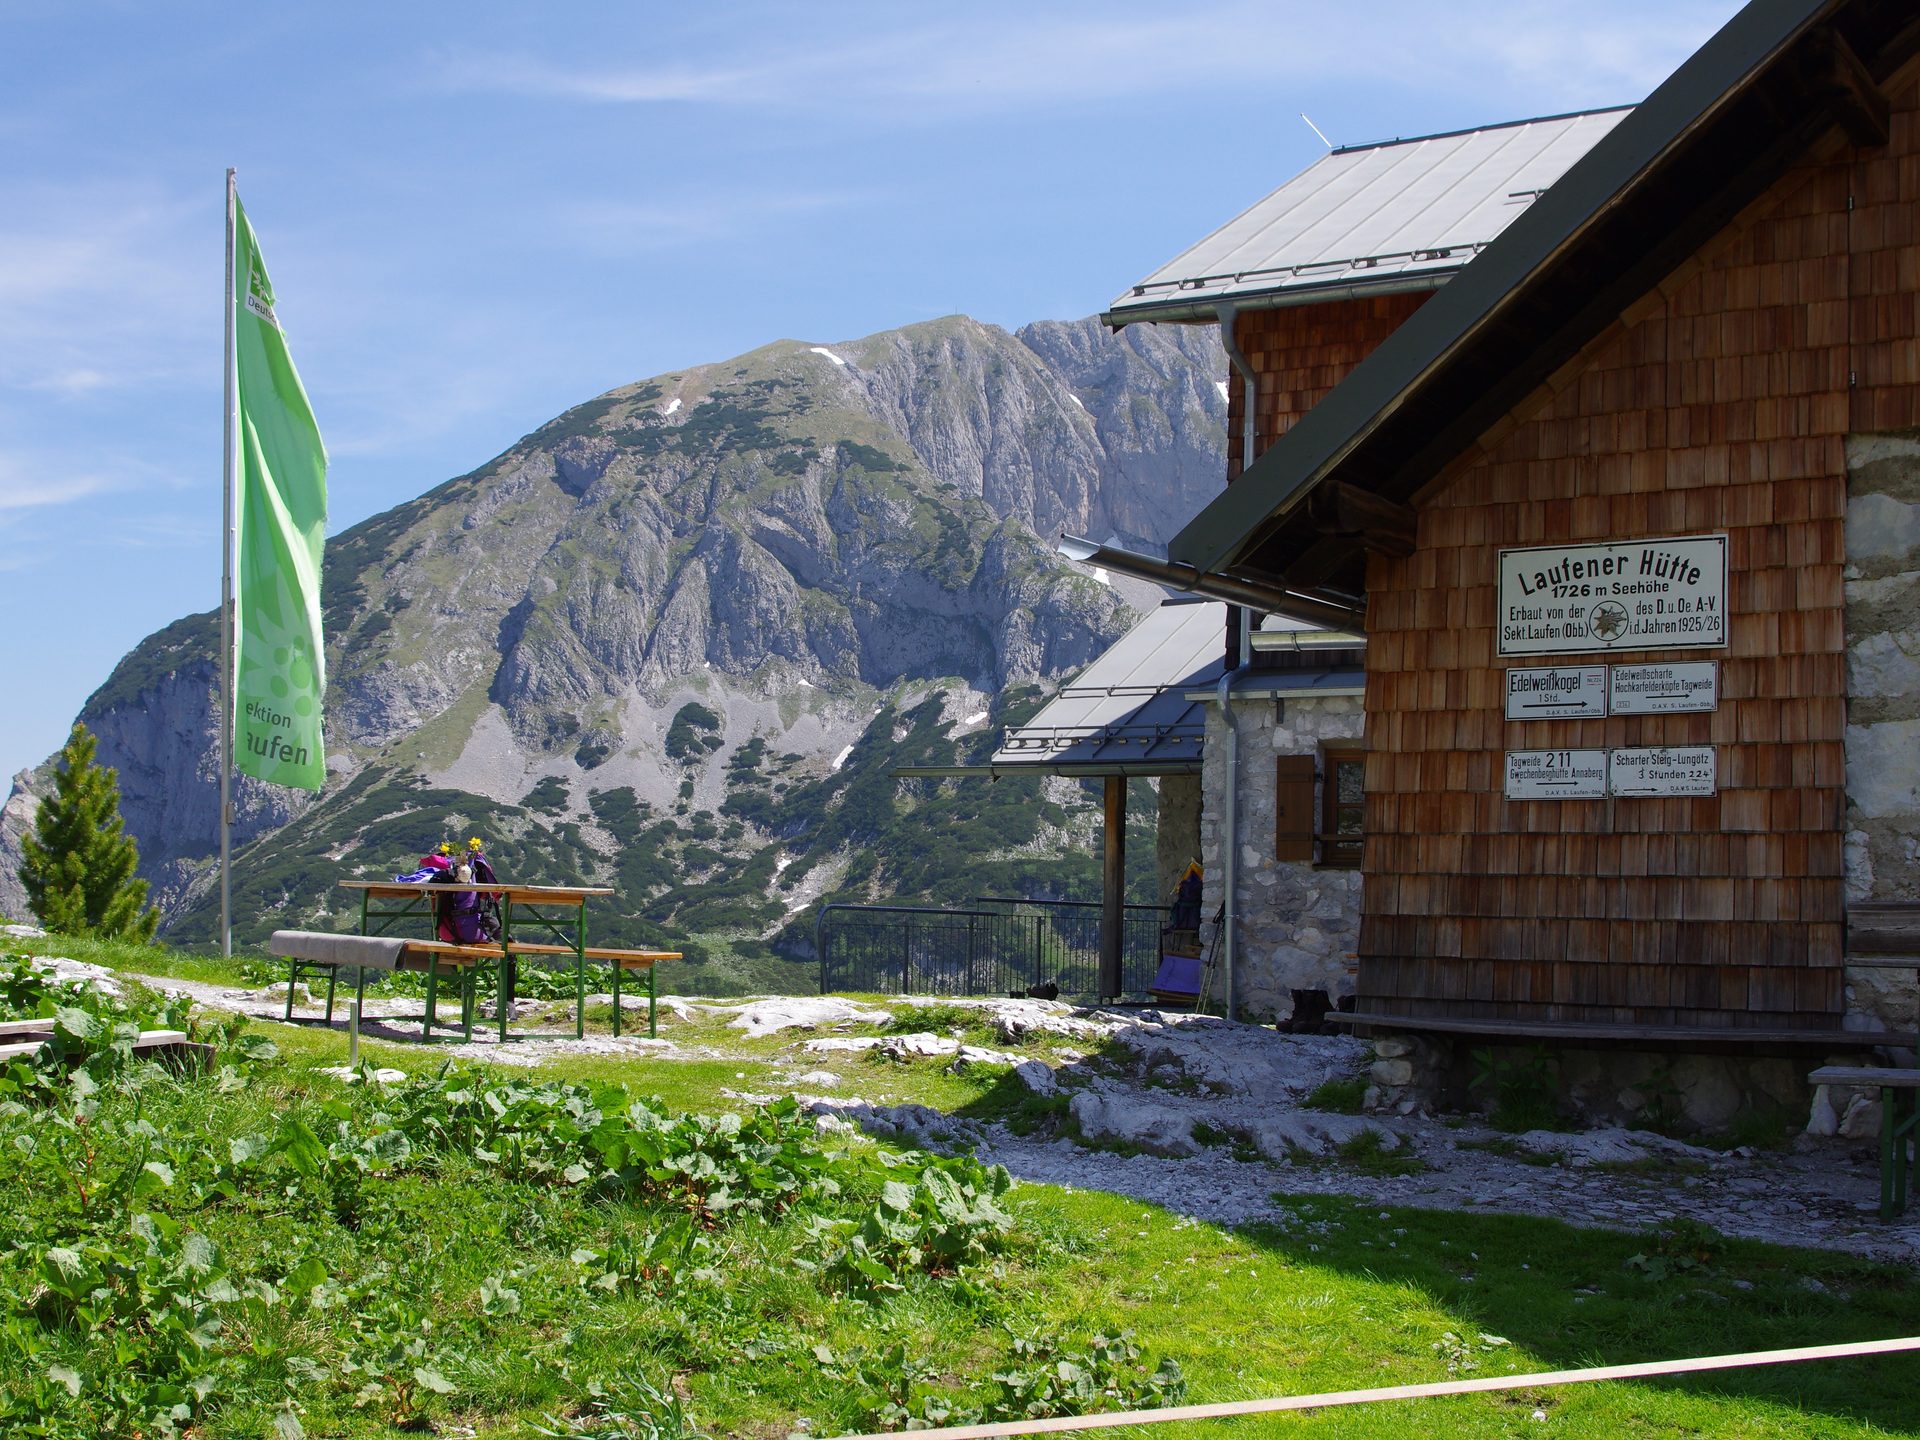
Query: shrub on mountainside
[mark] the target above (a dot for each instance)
(684, 740)
(79, 862)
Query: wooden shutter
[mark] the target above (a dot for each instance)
(1293, 808)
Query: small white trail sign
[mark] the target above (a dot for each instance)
(1556, 774)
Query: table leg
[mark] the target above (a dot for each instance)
(433, 994)
(293, 979)
(616, 999)
(469, 1000)
(502, 1003)
(653, 1000)
(333, 978)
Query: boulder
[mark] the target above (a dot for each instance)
(1037, 1077)
(1315, 1134)
(1156, 1129)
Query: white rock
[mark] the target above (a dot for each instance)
(1862, 1120)
(1820, 1119)
(832, 1043)
(353, 1077)
(765, 1017)
(1156, 1129)
(1315, 1133)
(23, 932)
(1037, 1077)
(820, 1080)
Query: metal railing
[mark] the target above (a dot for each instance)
(919, 950)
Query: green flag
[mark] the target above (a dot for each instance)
(280, 670)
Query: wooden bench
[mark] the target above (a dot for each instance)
(25, 1037)
(621, 962)
(315, 952)
(1898, 1116)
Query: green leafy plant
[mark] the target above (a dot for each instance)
(945, 1220)
(77, 864)
(1679, 1247)
(627, 1404)
(1523, 1085)
(655, 1262)
(890, 1390)
(392, 1357)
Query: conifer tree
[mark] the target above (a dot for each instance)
(78, 870)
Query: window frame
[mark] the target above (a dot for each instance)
(1332, 756)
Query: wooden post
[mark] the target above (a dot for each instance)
(1113, 889)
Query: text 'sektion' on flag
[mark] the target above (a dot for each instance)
(280, 668)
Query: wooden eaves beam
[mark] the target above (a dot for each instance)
(1838, 79)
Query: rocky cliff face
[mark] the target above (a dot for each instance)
(784, 538)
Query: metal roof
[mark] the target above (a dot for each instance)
(1731, 120)
(1129, 707)
(1400, 215)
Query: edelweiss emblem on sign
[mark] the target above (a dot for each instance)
(1608, 620)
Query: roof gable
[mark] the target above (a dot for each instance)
(1725, 126)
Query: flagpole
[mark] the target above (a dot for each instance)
(226, 614)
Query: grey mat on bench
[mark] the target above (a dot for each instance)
(374, 952)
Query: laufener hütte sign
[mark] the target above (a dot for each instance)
(1664, 594)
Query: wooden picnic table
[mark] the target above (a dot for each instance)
(560, 911)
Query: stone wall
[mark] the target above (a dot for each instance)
(1299, 926)
(1883, 701)
(1177, 839)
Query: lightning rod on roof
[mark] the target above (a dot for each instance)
(1316, 130)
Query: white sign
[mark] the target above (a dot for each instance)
(1556, 774)
(1640, 595)
(1572, 694)
(1683, 770)
(1664, 689)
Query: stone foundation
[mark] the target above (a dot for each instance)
(1630, 1088)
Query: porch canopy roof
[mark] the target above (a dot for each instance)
(1385, 218)
(1782, 79)
(1127, 713)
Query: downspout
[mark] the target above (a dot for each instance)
(1230, 817)
(1249, 382)
(1230, 848)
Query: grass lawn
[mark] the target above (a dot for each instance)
(482, 1246)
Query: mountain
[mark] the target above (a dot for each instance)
(755, 578)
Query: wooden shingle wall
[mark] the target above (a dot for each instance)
(1300, 353)
(1719, 405)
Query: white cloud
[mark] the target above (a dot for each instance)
(1040, 56)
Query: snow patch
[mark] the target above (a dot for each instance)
(672, 405)
(841, 758)
(975, 718)
(1075, 398)
(1100, 575)
(1221, 386)
(822, 350)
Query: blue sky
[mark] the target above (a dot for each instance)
(478, 215)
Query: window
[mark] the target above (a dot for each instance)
(1343, 807)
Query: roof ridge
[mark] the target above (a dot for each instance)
(1479, 129)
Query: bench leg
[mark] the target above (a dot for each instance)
(469, 1001)
(653, 1001)
(433, 995)
(333, 978)
(616, 998)
(293, 979)
(1897, 1117)
(579, 997)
